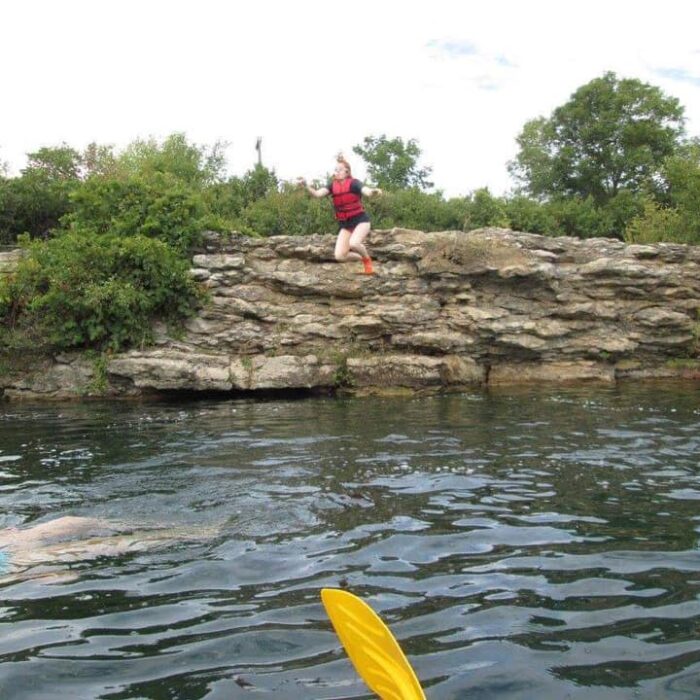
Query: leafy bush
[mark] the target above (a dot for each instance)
(289, 211)
(82, 291)
(415, 209)
(656, 224)
(226, 201)
(525, 214)
(485, 210)
(33, 203)
(158, 207)
(683, 175)
(580, 217)
(621, 209)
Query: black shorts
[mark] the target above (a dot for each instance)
(349, 224)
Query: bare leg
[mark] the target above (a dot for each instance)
(342, 247)
(60, 528)
(357, 238)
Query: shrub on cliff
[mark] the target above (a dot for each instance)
(160, 206)
(289, 211)
(525, 214)
(485, 210)
(656, 224)
(226, 201)
(103, 292)
(415, 209)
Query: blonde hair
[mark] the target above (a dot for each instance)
(341, 159)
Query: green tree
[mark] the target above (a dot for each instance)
(99, 160)
(57, 163)
(612, 135)
(197, 166)
(393, 163)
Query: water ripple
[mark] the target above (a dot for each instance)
(522, 544)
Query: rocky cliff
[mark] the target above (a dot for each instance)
(445, 311)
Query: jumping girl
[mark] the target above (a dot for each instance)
(354, 223)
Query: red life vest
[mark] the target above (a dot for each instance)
(347, 204)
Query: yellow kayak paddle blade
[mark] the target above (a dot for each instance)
(374, 652)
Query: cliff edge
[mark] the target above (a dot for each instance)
(444, 311)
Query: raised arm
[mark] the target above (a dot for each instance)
(322, 192)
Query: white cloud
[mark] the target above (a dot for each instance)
(312, 77)
(679, 74)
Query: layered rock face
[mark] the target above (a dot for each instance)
(444, 311)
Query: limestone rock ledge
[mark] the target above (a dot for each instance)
(445, 311)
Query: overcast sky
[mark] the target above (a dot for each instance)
(312, 78)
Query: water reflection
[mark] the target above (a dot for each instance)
(520, 544)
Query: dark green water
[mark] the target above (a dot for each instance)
(523, 544)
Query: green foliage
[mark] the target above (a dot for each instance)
(590, 169)
(621, 209)
(683, 177)
(259, 182)
(158, 207)
(99, 160)
(417, 210)
(342, 377)
(83, 291)
(525, 214)
(393, 164)
(60, 163)
(580, 217)
(613, 134)
(288, 211)
(226, 201)
(676, 218)
(192, 165)
(485, 210)
(682, 172)
(35, 202)
(151, 188)
(99, 383)
(655, 224)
